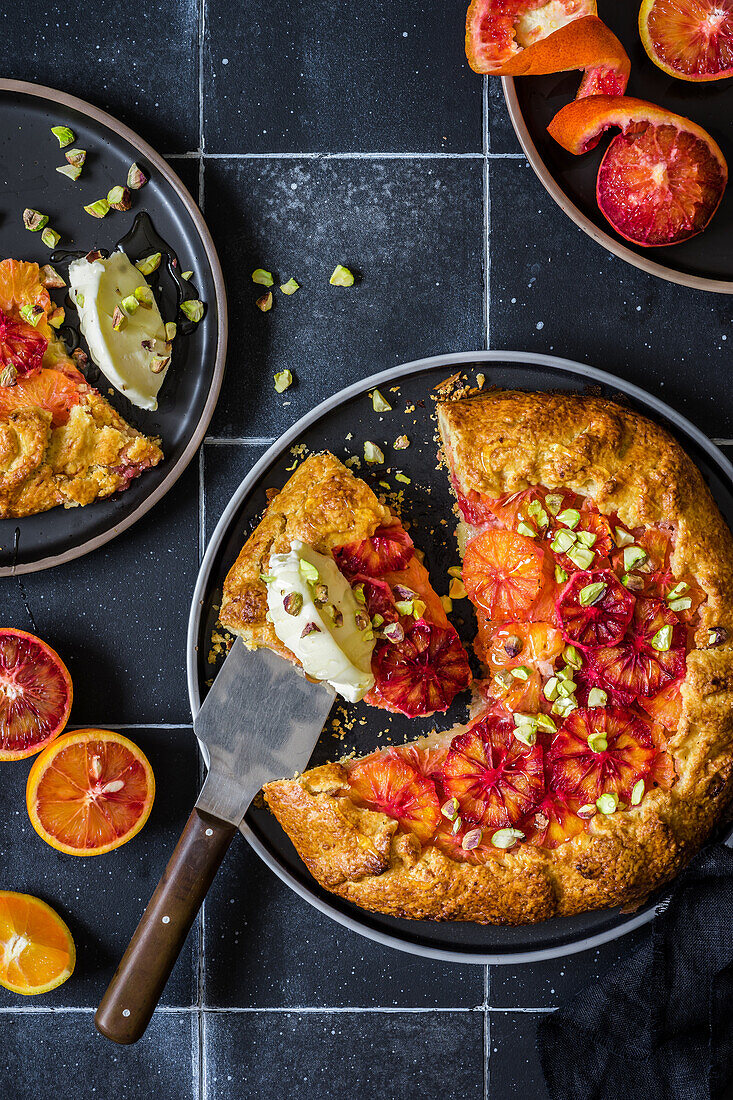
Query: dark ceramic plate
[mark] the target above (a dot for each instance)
(29, 155)
(705, 262)
(427, 501)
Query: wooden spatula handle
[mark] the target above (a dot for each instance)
(125, 1009)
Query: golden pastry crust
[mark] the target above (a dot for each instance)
(322, 504)
(92, 456)
(502, 443)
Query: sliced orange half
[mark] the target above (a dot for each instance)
(37, 953)
(35, 691)
(90, 792)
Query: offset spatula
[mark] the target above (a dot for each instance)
(260, 721)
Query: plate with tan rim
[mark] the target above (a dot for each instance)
(29, 155)
(350, 414)
(706, 261)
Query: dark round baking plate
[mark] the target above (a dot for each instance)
(29, 156)
(341, 424)
(706, 261)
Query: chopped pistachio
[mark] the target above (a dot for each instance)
(34, 220)
(566, 688)
(283, 379)
(562, 542)
(564, 707)
(560, 574)
(119, 198)
(159, 362)
(262, 277)
(341, 276)
(544, 722)
(50, 277)
(623, 538)
(268, 578)
(8, 376)
(118, 319)
(633, 556)
(50, 237)
(186, 275)
(472, 839)
(581, 556)
(380, 403)
(521, 672)
(293, 603)
(136, 178)
(456, 571)
(457, 825)
(98, 209)
(538, 513)
(79, 300)
(290, 287)
(633, 582)
(550, 691)
(597, 697)
(403, 478)
(401, 443)
(716, 636)
(591, 593)
(404, 607)
(194, 309)
(456, 589)
(506, 838)
(526, 735)
(31, 314)
(372, 453)
(71, 171)
(553, 503)
(148, 264)
(64, 134)
(680, 605)
(310, 628)
(57, 317)
(569, 518)
(450, 809)
(394, 632)
(678, 590)
(447, 603)
(588, 810)
(608, 803)
(385, 484)
(585, 538)
(418, 609)
(572, 657)
(144, 296)
(377, 621)
(565, 673)
(525, 529)
(662, 640)
(76, 157)
(308, 571)
(637, 792)
(130, 304)
(265, 302)
(320, 595)
(362, 620)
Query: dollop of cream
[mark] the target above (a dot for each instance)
(316, 615)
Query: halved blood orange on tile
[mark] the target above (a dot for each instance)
(35, 694)
(537, 37)
(503, 573)
(661, 179)
(37, 952)
(689, 39)
(89, 792)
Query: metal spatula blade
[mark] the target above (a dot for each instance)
(260, 721)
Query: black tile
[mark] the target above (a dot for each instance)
(502, 138)
(118, 616)
(225, 466)
(372, 1056)
(386, 76)
(553, 982)
(103, 897)
(266, 947)
(514, 1066)
(553, 289)
(63, 1056)
(412, 230)
(140, 62)
(188, 168)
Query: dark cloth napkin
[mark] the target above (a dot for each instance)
(658, 1026)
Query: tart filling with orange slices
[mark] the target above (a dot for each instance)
(61, 442)
(600, 753)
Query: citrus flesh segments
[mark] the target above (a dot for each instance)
(689, 39)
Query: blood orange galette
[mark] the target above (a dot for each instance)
(332, 581)
(600, 754)
(61, 442)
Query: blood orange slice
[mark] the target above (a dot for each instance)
(582, 774)
(495, 778)
(650, 656)
(594, 608)
(421, 674)
(89, 792)
(503, 573)
(660, 180)
(666, 706)
(35, 694)
(20, 285)
(55, 390)
(512, 644)
(389, 548)
(689, 39)
(552, 823)
(37, 952)
(387, 783)
(21, 349)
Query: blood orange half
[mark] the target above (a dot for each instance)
(89, 792)
(37, 952)
(689, 39)
(35, 694)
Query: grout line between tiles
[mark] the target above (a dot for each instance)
(722, 442)
(487, 1054)
(135, 726)
(303, 1010)
(506, 1011)
(36, 1010)
(335, 156)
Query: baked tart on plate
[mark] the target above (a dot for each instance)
(61, 442)
(599, 754)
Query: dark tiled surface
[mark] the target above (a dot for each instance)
(514, 1066)
(411, 229)
(225, 466)
(554, 290)
(386, 76)
(325, 1057)
(64, 1057)
(102, 898)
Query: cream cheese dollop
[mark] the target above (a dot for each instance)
(316, 615)
(125, 356)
